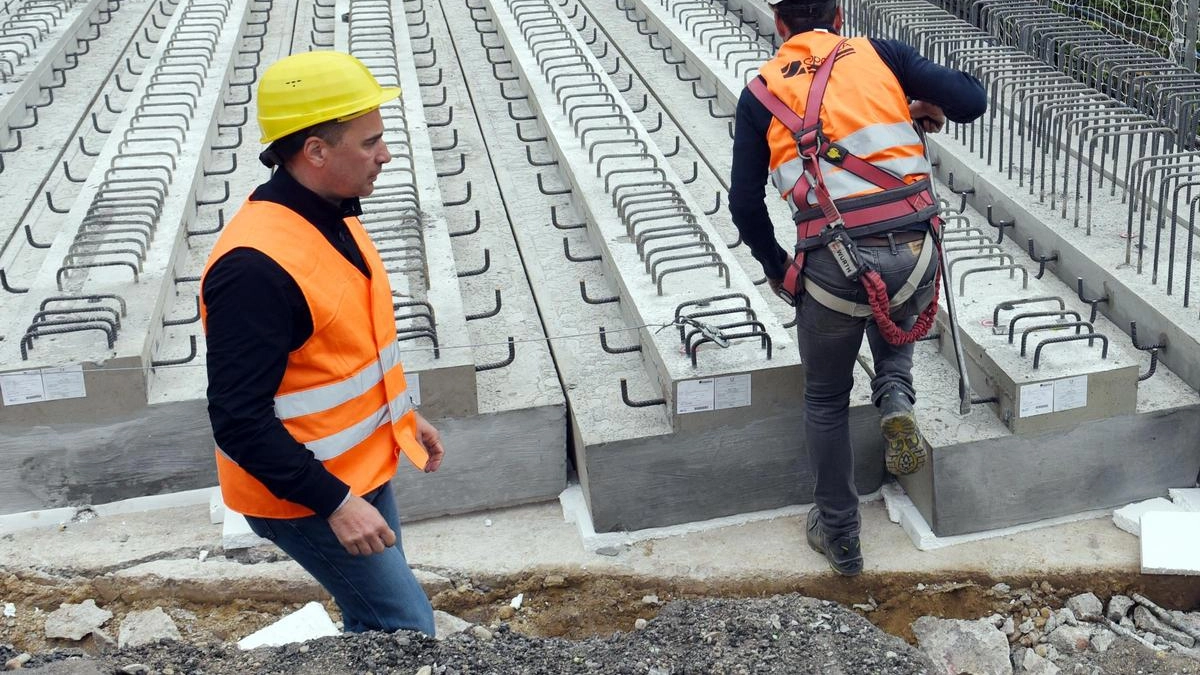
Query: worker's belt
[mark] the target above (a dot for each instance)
(891, 239)
(870, 214)
(898, 298)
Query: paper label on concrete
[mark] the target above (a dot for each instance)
(1070, 392)
(732, 391)
(413, 380)
(60, 383)
(1054, 396)
(22, 387)
(1036, 399)
(694, 396)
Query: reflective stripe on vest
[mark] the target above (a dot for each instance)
(332, 446)
(864, 142)
(332, 395)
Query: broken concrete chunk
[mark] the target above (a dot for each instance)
(1071, 639)
(1034, 664)
(146, 628)
(307, 623)
(1086, 606)
(446, 624)
(432, 582)
(1102, 640)
(1145, 620)
(958, 646)
(74, 622)
(1118, 607)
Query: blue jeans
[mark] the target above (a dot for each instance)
(374, 592)
(829, 343)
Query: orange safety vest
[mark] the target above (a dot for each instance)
(867, 117)
(343, 394)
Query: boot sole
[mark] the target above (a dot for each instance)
(905, 449)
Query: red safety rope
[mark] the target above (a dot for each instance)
(877, 297)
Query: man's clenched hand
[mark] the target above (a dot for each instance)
(360, 527)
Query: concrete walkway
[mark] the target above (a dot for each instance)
(164, 547)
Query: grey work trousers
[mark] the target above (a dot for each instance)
(829, 342)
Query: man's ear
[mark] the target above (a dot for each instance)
(837, 20)
(781, 28)
(314, 151)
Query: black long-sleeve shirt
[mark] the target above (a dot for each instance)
(257, 315)
(959, 95)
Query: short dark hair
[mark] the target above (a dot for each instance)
(804, 15)
(283, 149)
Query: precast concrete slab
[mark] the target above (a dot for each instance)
(647, 227)
(404, 215)
(39, 40)
(511, 448)
(128, 220)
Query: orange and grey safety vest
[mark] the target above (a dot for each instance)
(866, 116)
(343, 393)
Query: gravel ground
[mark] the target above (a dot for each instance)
(788, 634)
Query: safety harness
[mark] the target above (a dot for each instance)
(898, 204)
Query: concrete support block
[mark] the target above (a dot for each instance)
(1003, 482)
(1170, 544)
(1129, 518)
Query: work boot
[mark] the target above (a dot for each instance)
(843, 553)
(905, 449)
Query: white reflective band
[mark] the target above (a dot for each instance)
(332, 395)
(842, 183)
(879, 137)
(331, 446)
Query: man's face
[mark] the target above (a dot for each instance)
(353, 164)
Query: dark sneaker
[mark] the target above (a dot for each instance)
(843, 553)
(905, 449)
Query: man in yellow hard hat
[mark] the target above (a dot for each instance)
(306, 393)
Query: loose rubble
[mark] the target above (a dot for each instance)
(1035, 629)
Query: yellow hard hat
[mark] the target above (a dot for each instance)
(304, 89)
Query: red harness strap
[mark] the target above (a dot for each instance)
(813, 146)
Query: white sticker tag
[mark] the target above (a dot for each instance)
(732, 391)
(61, 383)
(694, 396)
(1036, 399)
(47, 384)
(1070, 392)
(22, 387)
(413, 380)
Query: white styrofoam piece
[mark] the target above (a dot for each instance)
(575, 510)
(1169, 542)
(894, 499)
(1186, 498)
(236, 533)
(924, 539)
(1129, 517)
(216, 507)
(307, 623)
